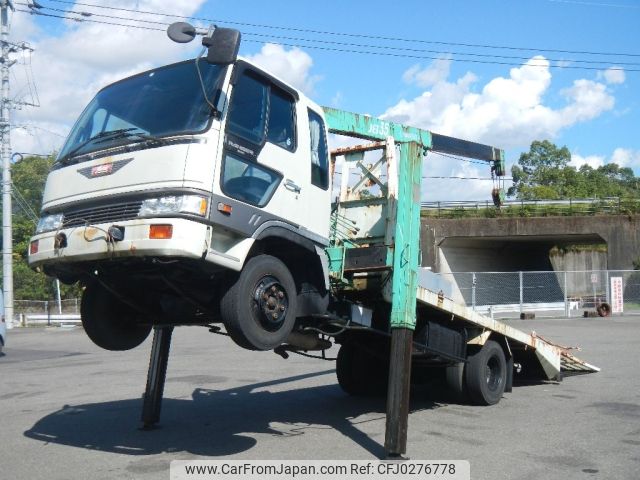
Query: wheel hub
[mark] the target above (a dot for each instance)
(270, 303)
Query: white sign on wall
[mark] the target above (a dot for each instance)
(617, 298)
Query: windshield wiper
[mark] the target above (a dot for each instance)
(126, 132)
(107, 136)
(109, 133)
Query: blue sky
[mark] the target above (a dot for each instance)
(596, 112)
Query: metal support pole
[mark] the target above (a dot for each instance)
(395, 441)
(520, 276)
(152, 399)
(5, 153)
(473, 290)
(58, 298)
(567, 312)
(404, 288)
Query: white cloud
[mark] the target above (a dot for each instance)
(435, 73)
(594, 161)
(293, 65)
(624, 157)
(507, 112)
(613, 75)
(71, 66)
(337, 99)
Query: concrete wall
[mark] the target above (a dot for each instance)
(512, 244)
(579, 261)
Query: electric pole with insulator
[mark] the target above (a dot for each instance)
(7, 48)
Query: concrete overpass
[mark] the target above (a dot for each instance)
(517, 243)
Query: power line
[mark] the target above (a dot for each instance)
(24, 204)
(465, 178)
(357, 45)
(345, 34)
(350, 50)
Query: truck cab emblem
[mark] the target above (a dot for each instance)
(103, 169)
(100, 170)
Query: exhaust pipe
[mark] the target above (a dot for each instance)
(307, 341)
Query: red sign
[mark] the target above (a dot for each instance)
(617, 295)
(100, 170)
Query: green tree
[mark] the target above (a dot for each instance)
(29, 175)
(544, 173)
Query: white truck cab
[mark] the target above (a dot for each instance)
(170, 183)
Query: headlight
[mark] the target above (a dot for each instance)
(194, 204)
(50, 223)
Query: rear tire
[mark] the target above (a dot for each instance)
(486, 374)
(110, 323)
(259, 309)
(455, 380)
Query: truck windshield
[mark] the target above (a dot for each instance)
(158, 103)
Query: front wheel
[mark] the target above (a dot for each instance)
(259, 308)
(486, 374)
(110, 323)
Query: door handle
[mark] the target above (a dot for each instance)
(290, 185)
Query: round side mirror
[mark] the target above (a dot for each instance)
(181, 32)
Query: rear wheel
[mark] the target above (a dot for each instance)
(110, 323)
(455, 380)
(259, 309)
(486, 374)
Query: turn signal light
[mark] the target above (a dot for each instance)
(161, 232)
(33, 248)
(224, 208)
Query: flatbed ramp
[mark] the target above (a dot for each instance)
(554, 359)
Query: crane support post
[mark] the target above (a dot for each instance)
(404, 288)
(407, 237)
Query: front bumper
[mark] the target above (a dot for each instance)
(87, 243)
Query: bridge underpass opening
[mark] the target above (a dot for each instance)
(469, 260)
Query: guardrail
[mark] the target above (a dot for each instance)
(532, 208)
(40, 319)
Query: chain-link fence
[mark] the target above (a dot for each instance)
(507, 294)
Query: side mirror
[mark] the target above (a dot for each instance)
(223, 46)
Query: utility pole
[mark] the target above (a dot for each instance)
(5, 153)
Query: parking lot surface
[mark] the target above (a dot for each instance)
(70, 410)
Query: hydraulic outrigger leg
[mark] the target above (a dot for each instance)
(152, 400)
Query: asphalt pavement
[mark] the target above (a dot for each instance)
(69, 410)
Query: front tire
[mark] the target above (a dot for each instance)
(110, 323)
(486, 374)
(259, 309)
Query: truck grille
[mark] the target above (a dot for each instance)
(104, 214)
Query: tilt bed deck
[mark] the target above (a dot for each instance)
(555, 360)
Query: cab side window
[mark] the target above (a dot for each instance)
(319, 157)
(247, 116)
(281, 130)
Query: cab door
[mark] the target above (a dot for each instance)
(261, 163)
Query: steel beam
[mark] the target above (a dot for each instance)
(152, 399)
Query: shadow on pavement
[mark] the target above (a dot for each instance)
(217, 422)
